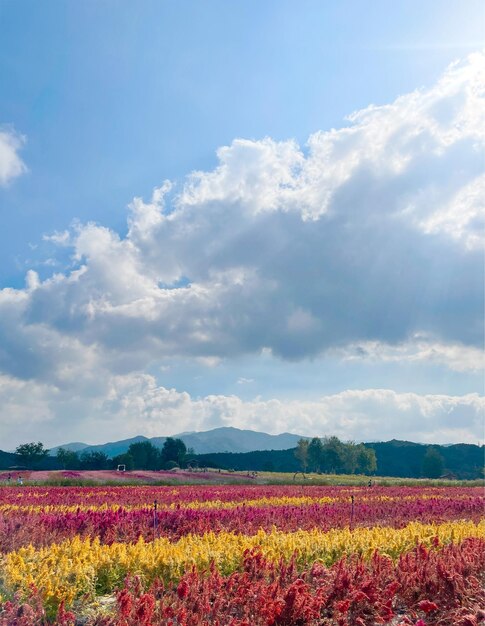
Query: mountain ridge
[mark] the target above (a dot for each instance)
(223, 439)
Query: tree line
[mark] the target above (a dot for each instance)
(390, 458)
(393, 458)
(332, 456)
(139, 456)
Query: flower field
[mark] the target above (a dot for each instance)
(242, 555)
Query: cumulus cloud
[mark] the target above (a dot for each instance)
(11, 165)
(134, 403)
(352, 414)
(371, 233)
(357, 243)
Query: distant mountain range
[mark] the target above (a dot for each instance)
(225, 439)
(249, 450)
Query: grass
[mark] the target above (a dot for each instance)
(359, 480)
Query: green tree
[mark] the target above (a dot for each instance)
(333, 455)
(173, 450)
(268, 466)
(123, 459)
(315, 454)
(366, 460)
(433, 463)
(349, 455)
(31, 454)
(68, 459)
(301, 453)
(145, 455)
(93, 460)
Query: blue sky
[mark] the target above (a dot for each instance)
(104, 101)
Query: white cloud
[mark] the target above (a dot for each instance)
(59, 238)
(463, 217)
(372, 236)
(260, 175)
(11, 165)
(132, 404)
(363, 242)
(455, 356)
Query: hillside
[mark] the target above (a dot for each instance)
(394, 458)
(224, 439)
(232, 448)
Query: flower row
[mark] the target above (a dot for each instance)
(422, 587)
(18, 527)
(213, 496)
(228, 504)
(62, 572)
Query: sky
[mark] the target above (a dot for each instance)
(259, 214)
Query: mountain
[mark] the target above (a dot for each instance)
(111, 449)
(75, 446)
(8, 459)
(229, 439)
(405, 458)
(225, 439)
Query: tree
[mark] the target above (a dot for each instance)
(190, 455)
(366, 460)
(315, 452)
(94, 460)
(268, 466)
(301, 453)
(145, 455)
(349, 457)
(123, 459)
(433, 463)
(68, 459)
(32, 454)
(170, 465)
(333, 455)
(173, 450)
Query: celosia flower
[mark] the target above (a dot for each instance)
(427, 606)
(183, 589)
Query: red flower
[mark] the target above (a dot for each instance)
(183, 589)
(427, 606)
(343, 606)
(144, 611)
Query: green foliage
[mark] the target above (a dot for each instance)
(333, 459)
(125, 459)
(334, 456)
(268, 466)
(170, 465)
(31, 454)
(93, 461)
(68, 459)
(173, 450)
(190, 455)
(366, 460)
(258, 460)
(394, 458)
(145, 456)
(405, 459)
(301, 453)
(433, 464)
(315, 454)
